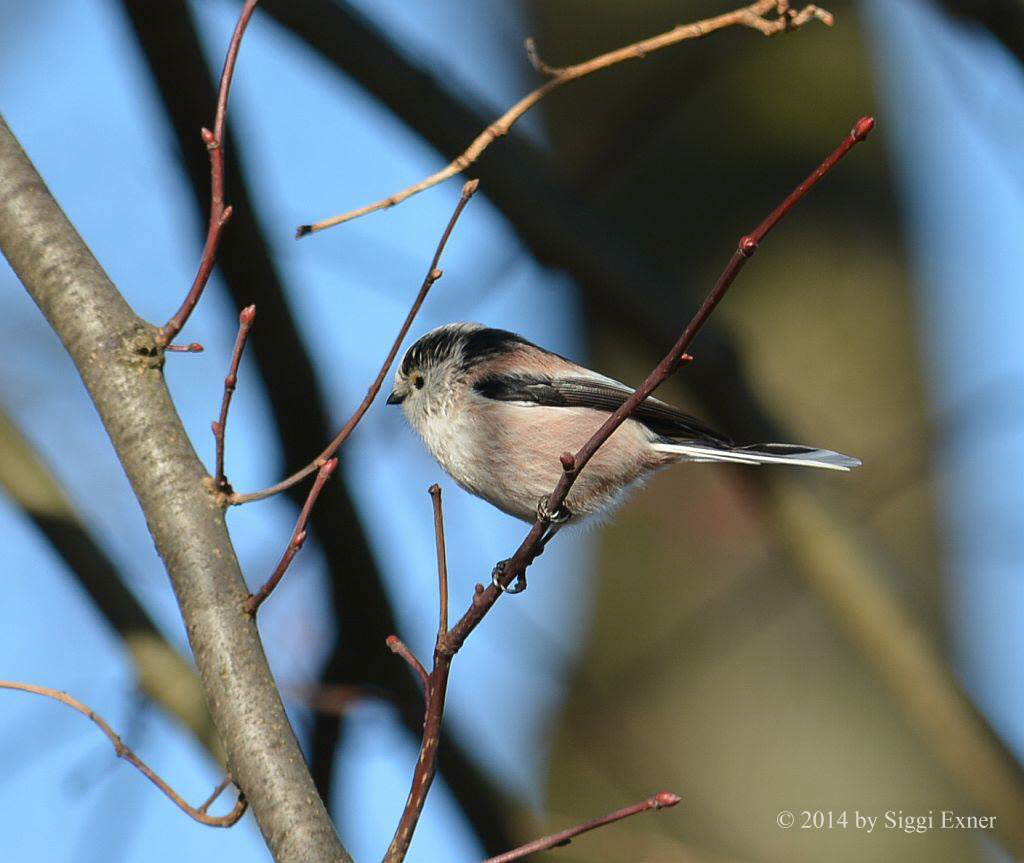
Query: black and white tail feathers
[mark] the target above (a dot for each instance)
(765, 453)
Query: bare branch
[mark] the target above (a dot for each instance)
(399, 648)
(297, 540)
(661, 800)
(433, 274)
(753, 15)
(246, 318)
(125, 752)
(220, 214)
(442, 561)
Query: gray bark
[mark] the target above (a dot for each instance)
(116, 354)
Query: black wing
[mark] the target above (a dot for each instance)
(660, 418)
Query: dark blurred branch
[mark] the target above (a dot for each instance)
(433, 274)
(120, 362)
(220, 214)
(358, 602)
(1004, 19)
(125, 752)
(161, 672)
(661, 800)
(753, 15)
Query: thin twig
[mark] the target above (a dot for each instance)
(245, 321)
(531, 546)
(297, 539)
(433, 274)
(191, 348)
(662, 800)
(220, 214)
(435, 687)
(399, 648)
(125, 752)
(209, 801)
(753, 16)
(442, 561)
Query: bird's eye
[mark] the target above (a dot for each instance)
(418, 381)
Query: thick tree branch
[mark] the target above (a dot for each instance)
(198, 813)
(120, 363)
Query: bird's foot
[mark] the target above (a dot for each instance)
(518, 586)
(559, 516)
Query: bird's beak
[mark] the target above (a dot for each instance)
(395, 398)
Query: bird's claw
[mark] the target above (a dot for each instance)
(518, 586)
(559, 516)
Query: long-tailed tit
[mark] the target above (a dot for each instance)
(496, 411)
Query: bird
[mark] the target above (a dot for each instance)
(497, 411)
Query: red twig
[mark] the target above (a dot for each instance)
(219, 213)
(450, 642)
(399, 648)
(125, 752)
(435, 687)
(297, 539)
(661, 800)
(433, 274)
(191, 348)
(442, 561)
(531, 546)
(209, 801)
(245, 321)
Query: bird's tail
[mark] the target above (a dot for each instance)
(762, 453)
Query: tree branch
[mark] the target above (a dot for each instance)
(753, 15)
(125, 752)
(297, 540)
(532, 546)
(220, 214)
(119, 359)
(246, 318)
(661, 800)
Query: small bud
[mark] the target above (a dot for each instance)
(666, 798)
(862, 127)
(247, 315)
(469, 188)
